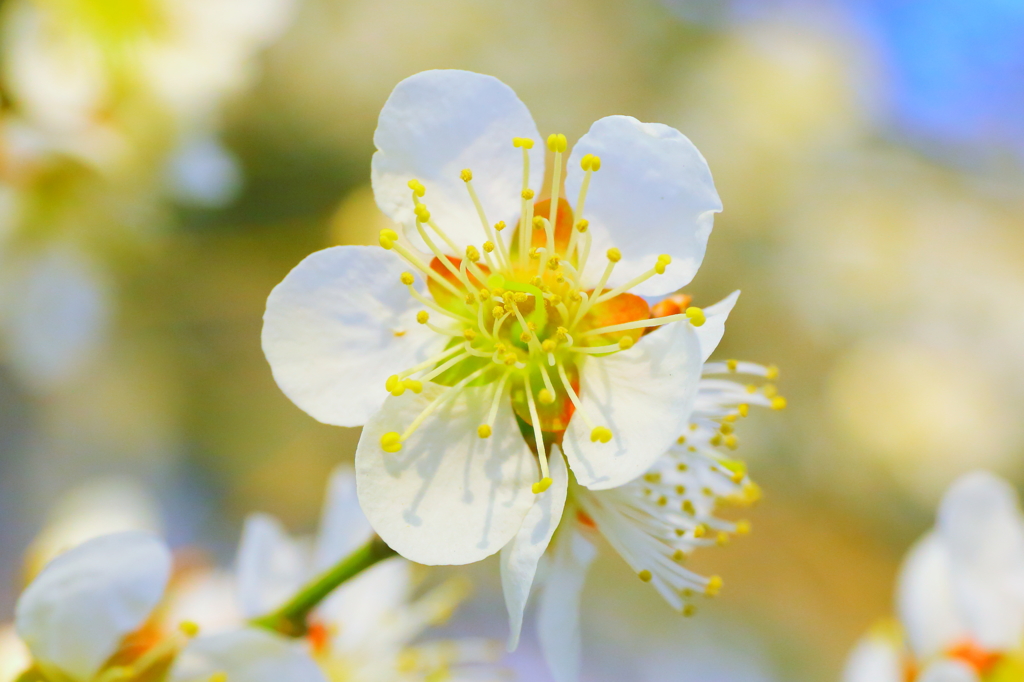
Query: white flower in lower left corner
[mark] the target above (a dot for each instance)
(91, 614)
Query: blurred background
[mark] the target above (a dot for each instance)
(164, 163)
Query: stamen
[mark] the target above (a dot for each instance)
(653, 322)
(421, 218)
(392, 441)
(492, 414)
(545, 476)
(391, 243)
(467, 176)
(441, 368)
(614, 256)
(589, 163)
(436, 308)
(658, 269)
(557, 144)
(430, 362)
(597, 433)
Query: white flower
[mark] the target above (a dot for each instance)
(525, 331)
(365, 630)
(960, 594)
(654, 522)
(90, 614)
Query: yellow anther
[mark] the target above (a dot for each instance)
(398, 389)
(534, 254)
(770, 391)
(575, 296)
(524, 142)
(662, 501)
(466, 175)
(488, 247)
(538, 223)
(470, 299)
(388, 238)
(686, 593)
(742, 527)
(582, 225)
(585, 161)
(614, 255)
(714, 586)
(716, 439)
(600, 433)
(772, 373)
(731, 365)
(472, 254)
(525, 337)
(407, 278)
(778, 403)
(679, 556)
(557, 142)
(562, 333)
(549, 345)
(663, 261)
(645, 575)
(726, 428)
(422, 214)
(527, 193)
(485, 294)
(595, 162)
(219, 676)
(520, 297)
(722, 539)
(422, 316)
(510, 359)
(391, 382)
(729, 418)
(653, 477)
(500, 225)
(751, 388)
(681, 440)
(700, 531)
(189, 628)
(417, 187)
(469, 334)
(626, 342)
(413, 385)
(391, 442)
(484, 431)
(553, 263)
(545, 397)
(696, 316)
(498, 311)
(680, 490)
(689, 610)
(541, 485)
(687, 507)
(731, 441)
(751, 492)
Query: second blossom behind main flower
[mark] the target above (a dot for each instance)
(474, 347)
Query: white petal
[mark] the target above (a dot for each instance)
(448, 496)
(949, 671)
(558, 617)
(519, 558)
(874, 659)
(653, 195)
(271, 566)
(711, 332)
(247, 655)
(980, 523)
(362, 609)
(75, 613)
(925, 599)
(337, 327)
(644, 395)
(343, 526)
(434, 125)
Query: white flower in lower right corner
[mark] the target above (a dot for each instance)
(960, 596)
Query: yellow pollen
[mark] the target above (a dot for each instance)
(772, 373)
(645, 575)
(731, 441)
(541, 485)
(614, 255)
(557, 142)
(626, 342)
(407, 278)
(510, 359)
(388, 238)
(689, 610)
(663, 261)
(714, 586)
(742, 527)
(422, 316)
(527, 193)
(546, 397)
(466, 175)
(188, 628)
(653, 477)
(561, 333)
(722, 540)
(600, 433)
(525, 337)
(696, 316)
(778, 403)
(417, 187)
(488, 247)
(553, 263)
(392, 382)
(679, 555)
(524, 142)
(731, 365)
(534, 254)
(582, 225)
(470, 299)
(770, 391)
(391, 442)
(751, 388)
(484, 294)
(726, 428)
(730, 418)
(700, 531)
(538, 223)
(422, 214)
(472, 254)
(484, 431)
(688, 507)
(498, 311)
(500, 225)
(219, 676)
(413, 385)
(716, 439)
(549, 345)
(469, 334)
(681, 440)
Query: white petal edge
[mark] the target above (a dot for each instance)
(448, 496)
(980, 523)
(874, 659)
(271, 566)
(653, 195)
(520, 557)
(558, 617)
(338, 326)
(343, 526)
(246, 655)
(949, 671)
(711, 332)
(924, 599)
(75, 613)
(644, 395)
(434, 125)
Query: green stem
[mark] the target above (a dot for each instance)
(290, 619)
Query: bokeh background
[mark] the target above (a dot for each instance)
(164, 163)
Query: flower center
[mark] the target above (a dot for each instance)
(518, 316)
